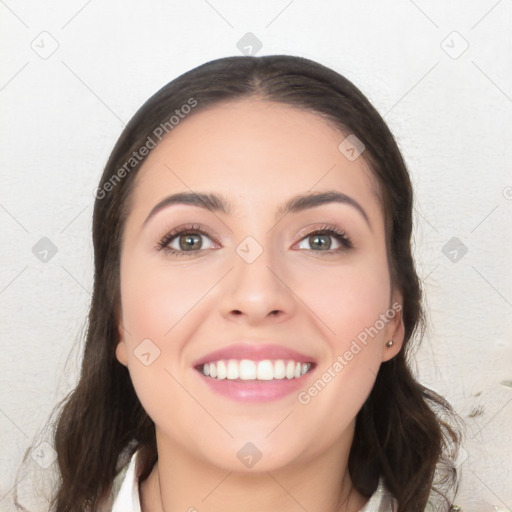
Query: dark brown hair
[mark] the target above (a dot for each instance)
(403, 431)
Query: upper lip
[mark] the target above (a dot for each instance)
(255, 352)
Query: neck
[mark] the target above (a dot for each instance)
(180, 482)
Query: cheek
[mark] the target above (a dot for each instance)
(156, 304)
(155, 299)
(347, 299)
(161, 309)
(349, 303)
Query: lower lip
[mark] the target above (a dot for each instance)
(255, 390)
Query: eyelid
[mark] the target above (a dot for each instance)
(181, 229)
(185, 228)
(330, 229)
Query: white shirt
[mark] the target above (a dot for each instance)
(127, 500)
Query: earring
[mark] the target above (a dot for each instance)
(389, 343)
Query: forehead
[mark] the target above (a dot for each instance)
(254, 150)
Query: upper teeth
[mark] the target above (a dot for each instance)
(260, 370)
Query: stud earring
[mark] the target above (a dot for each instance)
(389, 343)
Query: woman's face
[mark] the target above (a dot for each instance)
(261, 291)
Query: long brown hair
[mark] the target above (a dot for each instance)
(403, 431)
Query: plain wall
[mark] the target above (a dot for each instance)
(449, 107)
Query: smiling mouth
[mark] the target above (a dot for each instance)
(248, 370)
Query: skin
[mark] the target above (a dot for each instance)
(258, 155)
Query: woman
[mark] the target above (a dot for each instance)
(254, 302)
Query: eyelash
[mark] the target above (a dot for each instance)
(326, 229)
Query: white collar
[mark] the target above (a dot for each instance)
(381, 500)
(127, 500)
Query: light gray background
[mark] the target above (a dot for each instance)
(449, 106)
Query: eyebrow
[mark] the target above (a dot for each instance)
(217, 203)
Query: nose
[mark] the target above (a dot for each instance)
(257, 292)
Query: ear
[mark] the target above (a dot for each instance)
(395, 329)
(121, 348)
